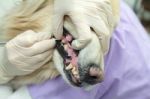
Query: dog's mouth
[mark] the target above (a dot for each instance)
(81, 68)
(70, 58)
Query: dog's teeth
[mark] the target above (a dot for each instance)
(77, 76)
(65, 46)
(70, 66)
(75, 73)
(73, 70)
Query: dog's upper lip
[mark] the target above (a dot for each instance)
(72, 79)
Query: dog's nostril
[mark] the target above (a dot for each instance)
(95, 75)
(94, 72)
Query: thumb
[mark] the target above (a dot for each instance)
(83, 31)
(58, 25)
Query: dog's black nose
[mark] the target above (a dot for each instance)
(94, 75)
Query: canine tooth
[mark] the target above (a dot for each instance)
(70, 66)
(77, 76)
(75, 73)
(65, 46)
(73, 70)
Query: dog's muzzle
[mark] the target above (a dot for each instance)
(90, 74)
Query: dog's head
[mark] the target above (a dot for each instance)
(89, 60)
(84, 68)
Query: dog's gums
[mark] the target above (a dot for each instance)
(70, 57)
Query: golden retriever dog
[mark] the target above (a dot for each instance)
(36, 15)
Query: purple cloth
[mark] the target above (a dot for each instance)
(127, 67)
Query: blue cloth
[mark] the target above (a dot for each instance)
(127, 67)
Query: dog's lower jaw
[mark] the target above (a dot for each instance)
(59, 64)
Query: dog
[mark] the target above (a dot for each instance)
(36, 15)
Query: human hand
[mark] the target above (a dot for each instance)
(71, 9)
(96, 15)
(27, 52)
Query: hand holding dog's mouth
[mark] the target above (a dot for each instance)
(92, 74)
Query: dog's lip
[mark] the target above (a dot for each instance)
(72, 79)
(75, 80)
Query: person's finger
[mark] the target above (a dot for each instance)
(58, 25)
(37, 61)
(99, 26)
(37, 58)
(41, 47)
(102, 31)
(37, 48)
(83, 31)
(42, 57)
(26, 39)
(69, 26)
(47, 59)
(43, 36)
